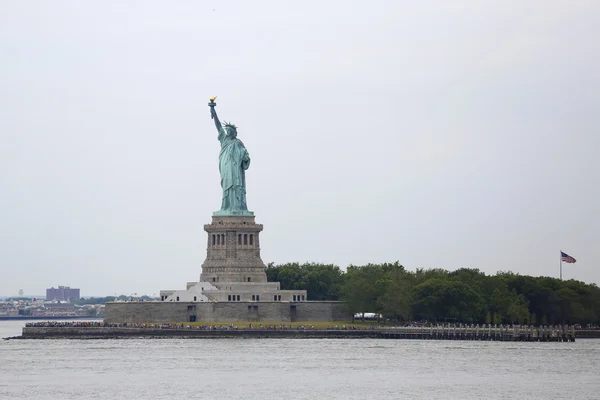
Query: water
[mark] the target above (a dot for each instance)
(295, 369)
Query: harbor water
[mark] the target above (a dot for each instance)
(295, 369)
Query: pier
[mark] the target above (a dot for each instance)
(512, 333)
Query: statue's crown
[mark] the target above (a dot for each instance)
(230, 126)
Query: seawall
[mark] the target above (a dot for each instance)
(127, 333)
(512, 333)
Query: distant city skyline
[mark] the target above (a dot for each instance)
(62, 293)
(438, 134)
(42, 296)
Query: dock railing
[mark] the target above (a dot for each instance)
(524, 333)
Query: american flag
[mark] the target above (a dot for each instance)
(566, 258)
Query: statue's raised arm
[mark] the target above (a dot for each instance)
(213, 115)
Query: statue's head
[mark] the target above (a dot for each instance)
(231, 130)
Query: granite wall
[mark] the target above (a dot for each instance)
(264, 311)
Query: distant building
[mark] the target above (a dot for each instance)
(63, 293)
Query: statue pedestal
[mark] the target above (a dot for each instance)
(233, 250)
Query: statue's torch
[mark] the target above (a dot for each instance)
(212, 106)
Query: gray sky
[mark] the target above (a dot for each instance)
(439, 134)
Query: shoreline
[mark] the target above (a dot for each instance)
(187, 333)
(125, 332)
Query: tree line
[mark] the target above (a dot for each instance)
(436, 295)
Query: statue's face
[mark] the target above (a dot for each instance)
(231, 133)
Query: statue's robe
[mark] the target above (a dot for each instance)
(234, 160)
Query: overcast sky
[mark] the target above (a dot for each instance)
(442, 134)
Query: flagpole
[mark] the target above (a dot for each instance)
(561, 265)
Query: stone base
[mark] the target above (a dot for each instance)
(233, 285)
(247, 311)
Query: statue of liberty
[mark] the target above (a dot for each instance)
(234, 160)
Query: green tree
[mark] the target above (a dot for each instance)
(321, 281)
(517, 310)
(444, 299)
(360, 290)
(464, 295)
(396, 301)
(488, 317)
